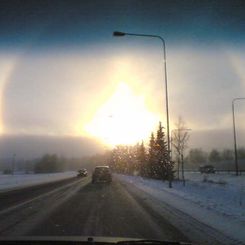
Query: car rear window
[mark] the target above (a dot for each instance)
(102, 170)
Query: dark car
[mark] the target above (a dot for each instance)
(82, 173)
(102, 174)
(207, 169)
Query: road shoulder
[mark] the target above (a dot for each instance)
(196, 223)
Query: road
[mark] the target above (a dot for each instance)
(78, 207)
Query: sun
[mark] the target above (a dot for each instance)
(123, 119)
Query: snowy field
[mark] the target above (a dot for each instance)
(19, 180)
(224, 193)
(217, 200)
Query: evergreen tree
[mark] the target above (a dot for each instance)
(241, 153)
(48, 164)
(141, 157)
(227, 155)
(161, 154)
(151, 157)
(133, 165)
(197, 156)
(214, 156)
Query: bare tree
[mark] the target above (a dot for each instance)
(179, 141)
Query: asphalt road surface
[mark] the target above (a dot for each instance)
(76, 207)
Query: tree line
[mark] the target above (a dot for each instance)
(221, 159)
(148, 161)
(51, 163)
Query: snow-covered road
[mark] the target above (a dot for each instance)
(208, 210)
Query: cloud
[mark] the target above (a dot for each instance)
(203, 84)
(33, 146)
(57, 93)
(50, 93)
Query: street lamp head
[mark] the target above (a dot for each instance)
(118, 34)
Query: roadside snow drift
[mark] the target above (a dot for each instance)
(22, 180)
(217, 200)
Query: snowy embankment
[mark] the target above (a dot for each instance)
(8, 182)
(223, 193)
(217, 200)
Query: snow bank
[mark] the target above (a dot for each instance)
(223, 193)
(218, 202)
(22, 180)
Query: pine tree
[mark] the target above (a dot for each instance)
(133, 159)
(161, 154)
(151, 157)
(141, 157)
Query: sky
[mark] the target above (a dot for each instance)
(62, 73)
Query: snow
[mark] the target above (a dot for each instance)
(217, 200)
(19, 180)
(221, 192)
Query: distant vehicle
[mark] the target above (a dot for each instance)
(102, 174)
(207, 169)
(82, 173)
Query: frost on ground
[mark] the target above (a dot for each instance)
(224, 193)
(217, 200)
(21, 180)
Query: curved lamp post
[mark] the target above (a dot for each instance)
(121, 34)
(234, 132)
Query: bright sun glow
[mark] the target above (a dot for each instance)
(123, 119)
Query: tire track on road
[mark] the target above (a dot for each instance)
(20, 218)
(196, 231)
(105, 210)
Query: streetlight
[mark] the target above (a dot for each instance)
(121, 34)
(234, 132)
